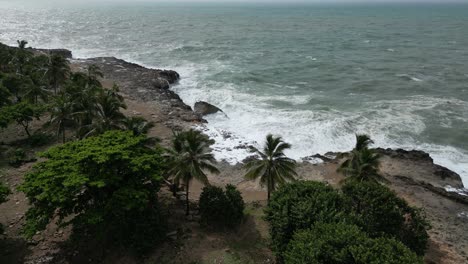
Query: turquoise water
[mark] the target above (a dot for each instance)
(313, 74)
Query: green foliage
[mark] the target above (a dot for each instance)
(343, 243)
(273, 167)
(4, 95)
(17, 158)
(220, 208)
(189, 158)
(105, 186)
(4, 192)
(58, 71)
(382, 213)
(362, 163)
(236, 204)
(39, 139)
(23, 113)
(369, 205)
(299, 205)
(138, 125)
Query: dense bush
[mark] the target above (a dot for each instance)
(382, 212)
(369, 205)
(105, 186)
(4, 192)
(343, 243)
(220, 208)
(236, 205)
(300, 205)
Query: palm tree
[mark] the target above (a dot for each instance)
(362, 163)
(22, 44)
(107, 115)
(21, 56)
(138, 125)
(58, 71)
(34, 90)
(93, 73)
(273, 167)
(60, 114)
(188, 159)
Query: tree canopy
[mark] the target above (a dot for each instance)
(101, 184)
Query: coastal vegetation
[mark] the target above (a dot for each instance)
(221, 208)
(189, 158)
(4, 192)
(273, 167)
(104, 186)
(104, 176)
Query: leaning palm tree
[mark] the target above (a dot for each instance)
(362, 163)
(189, 158)
(138, 125)
(58, 71)
(272, 167)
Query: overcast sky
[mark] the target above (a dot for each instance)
(7, 3)
(247, 1)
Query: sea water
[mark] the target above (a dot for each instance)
(314, 74)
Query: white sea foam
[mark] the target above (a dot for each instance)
(250, 116)
(250, 119)
(409, 77)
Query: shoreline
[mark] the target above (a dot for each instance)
(412, 174)
(181, 116)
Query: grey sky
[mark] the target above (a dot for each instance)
(240, 1)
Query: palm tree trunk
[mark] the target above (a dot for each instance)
(63, 134)
(269, 193)
(187, 209)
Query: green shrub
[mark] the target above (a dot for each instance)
(17, 158)
(384, 250)
(4, 192)
(344, 243)
(382, 213)
(105, 186)
(236, 205)
(299, 205)
(39, 139)
(220, 208)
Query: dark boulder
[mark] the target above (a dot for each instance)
(204, 108)
(170, 76)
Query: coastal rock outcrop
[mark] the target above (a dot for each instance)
(62, 52)
(429, 172)
(203, 108)
(147, 85)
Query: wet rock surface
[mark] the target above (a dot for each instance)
(430, 173)
(204, 108)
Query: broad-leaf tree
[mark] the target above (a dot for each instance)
(273, 167)
(23, 113)
(105, 185)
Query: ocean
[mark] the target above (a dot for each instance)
(314, 74)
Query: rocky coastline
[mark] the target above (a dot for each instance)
(412, 174)
(152, 86)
